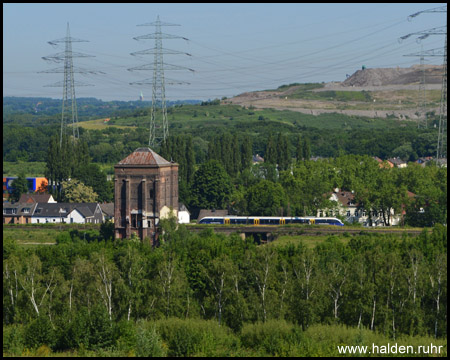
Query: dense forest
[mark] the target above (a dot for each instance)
(26, 136)
(214, 295)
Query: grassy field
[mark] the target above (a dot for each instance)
(99, 124)
(42, 234)
(31, 169)
(32, 236)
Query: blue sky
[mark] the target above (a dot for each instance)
(235, 47)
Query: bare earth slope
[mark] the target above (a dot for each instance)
(394, 93)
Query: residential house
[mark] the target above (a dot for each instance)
(385, 163)
(256, 159)
(184, 216)
(347, 207)
(18, 213)
(207, 213)
(108, 211)
(423, 160)
(37, 198)
(398, 162)
(80, 213)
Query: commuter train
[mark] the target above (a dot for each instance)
(269, 220)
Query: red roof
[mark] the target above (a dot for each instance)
(144, 156)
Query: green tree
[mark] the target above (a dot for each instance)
(77, 192)
(91, 175)
(20, 186)
(299, 149)
(211, 187)
(271, 151)
(306, 149)
(266, 199)
(246, 153)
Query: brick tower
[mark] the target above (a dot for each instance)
(145, 191)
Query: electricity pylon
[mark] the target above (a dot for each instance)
(442, 136)
(422, 98)
(158, 81)
(69, 102)
(441, 149)
(422, 122)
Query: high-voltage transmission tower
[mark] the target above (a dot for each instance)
(69, 102)
(441, 151)
(442, 136)
(422, 121)
(158, 81)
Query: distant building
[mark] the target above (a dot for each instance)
(18, 213)
(207, 213)
(34, 183)
(36, 198)
(385, 163)
(145, 191)
(257, 159)
(184, 216)
(42, 213)
(69, 213)
(347, 207)
(108, 211)
(398, 162)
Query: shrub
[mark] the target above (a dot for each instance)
(274, 337)
(63, 238)
(125, 335)
(100, 329)
(73, 332)
(40, 332)
(148, 342)
(194, 337)
(13, 339)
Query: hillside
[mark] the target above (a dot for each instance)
(383, 92)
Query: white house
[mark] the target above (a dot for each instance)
(347, 207)
(67, 213)
(184, 216)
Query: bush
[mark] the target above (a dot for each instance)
(125, 335)
(40, 332)
(148, 342)
(63, 238)
(197, 338)
(73, 332)
(13, 339)
(274, 337)
(100, 329)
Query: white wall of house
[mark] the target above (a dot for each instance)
(73, 217)
(46, 219)
(184, 217)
